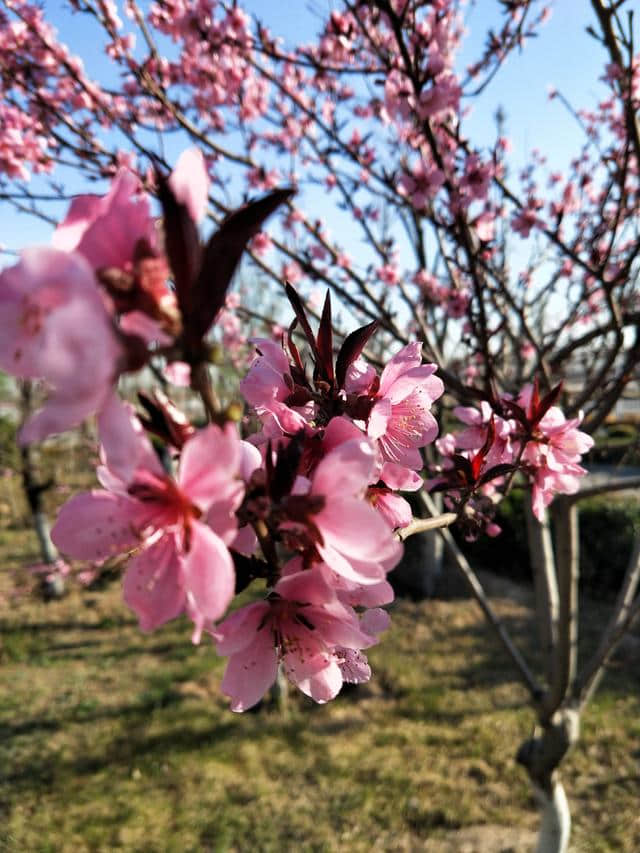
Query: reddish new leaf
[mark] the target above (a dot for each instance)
(285, 470)
(293, 349)
(351, 349)
(325, 341)
(182, 244)
(220, 258)
(496, 471)
(301, 315)
(545, 404)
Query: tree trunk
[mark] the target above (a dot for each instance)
(555, 827)
(542, 755)
(53, 584)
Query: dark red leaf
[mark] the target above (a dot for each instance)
(182, 244)
(535, 400)
(496, 471)
(545, 404)
(247, 569)
(351, 349)
(488, 442)
(221, 257)
(516, 411)
(164, 419)
(463, 467)
(325, 341)
(301, 314)
(293, 349)
(476, 466)
(285, 470)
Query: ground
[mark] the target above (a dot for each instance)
(115, 740)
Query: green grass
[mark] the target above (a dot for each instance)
(115, 740)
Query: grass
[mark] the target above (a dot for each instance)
(115, 740)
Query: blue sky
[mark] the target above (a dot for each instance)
(564, 57)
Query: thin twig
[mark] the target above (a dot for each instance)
(420, 525)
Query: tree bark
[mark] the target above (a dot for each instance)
(542, 756)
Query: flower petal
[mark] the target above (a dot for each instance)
(251, 672)
(208, 572)
(153, 584)
(96, 525)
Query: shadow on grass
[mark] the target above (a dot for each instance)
(134, 746)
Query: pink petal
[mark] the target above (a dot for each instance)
(324, 685)
(395, 510)
(359, 378)
(209, 462)
(208, 572)
(96, 525)
(106, 229)
(59, 414)
(375, 621)
(419, 380)
(306, 587)
(221, 516)
(251, 672)
(140, 324)
(250, 460)
(245, 541)
(238, 629)
(339, 430)
(408, 357)
(358, 572)
(345, 631)
(178, 373)
(346, 470)
(401, 478)
(125, 447)
(153, 584)
(353, 527)
(379, 418)
(354, 666)
(190, 183)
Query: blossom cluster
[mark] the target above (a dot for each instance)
(528, 434)
(306, 498)
(313, 492)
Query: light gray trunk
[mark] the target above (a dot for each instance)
(555, 827)
(542, 755)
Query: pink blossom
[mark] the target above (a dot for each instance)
(190, 183)
(179, 529)
(503, 448)
(268, 384)
(527, 217)
(477, 178)
(261, 243)
(388, 273)
(422, 184)
(353, 541)
(554, 453)
(400, 420)
(395, 510)
(304, 625)
(54, 319)
(106, 229)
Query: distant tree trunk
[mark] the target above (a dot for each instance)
(34, 489)
(420, 569)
